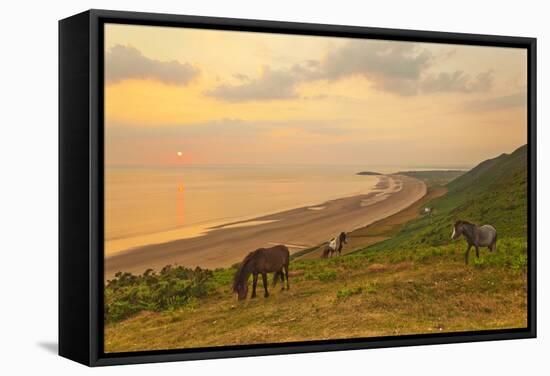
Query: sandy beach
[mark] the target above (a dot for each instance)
(299, 229)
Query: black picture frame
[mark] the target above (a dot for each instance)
(81, 185)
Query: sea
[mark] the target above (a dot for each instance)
(151, 205)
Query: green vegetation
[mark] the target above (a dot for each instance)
(373, 293)
(172, 287)
(494, 192)
(412, 280)
(434, 177)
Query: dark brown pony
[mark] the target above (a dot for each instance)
(261, 261)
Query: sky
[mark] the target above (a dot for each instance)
(177, 96)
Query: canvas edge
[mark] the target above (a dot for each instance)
(74, 278)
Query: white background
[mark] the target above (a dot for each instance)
(28, 187)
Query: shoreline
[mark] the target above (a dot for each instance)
(298, 228)
(123, 244)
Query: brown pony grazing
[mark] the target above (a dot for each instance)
(476, 236)
(261, 261)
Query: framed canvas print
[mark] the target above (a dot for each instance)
(236, 187)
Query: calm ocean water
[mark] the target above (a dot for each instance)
(154, 205)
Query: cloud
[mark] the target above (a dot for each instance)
(271, 84)
(388, 64)
(231, 129)
(127, 62)
(398, 60)
(396, 67)
(391, 66)
(332, 126)
(457, 81)
(224, 127)
(498, 103)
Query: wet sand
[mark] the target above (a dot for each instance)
(297, 228)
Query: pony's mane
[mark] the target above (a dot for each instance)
(460, 221)
(240, 275)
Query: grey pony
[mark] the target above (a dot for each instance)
(476, 236)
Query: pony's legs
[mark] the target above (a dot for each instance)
(286, 276)
(477, 251)
(276, 276)
(264, 280)
(254, 283)
(467, 254)
(279, 274)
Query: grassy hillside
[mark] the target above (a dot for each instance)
(414, 281)
(434, 177)
(360, 295)
(493, 192)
